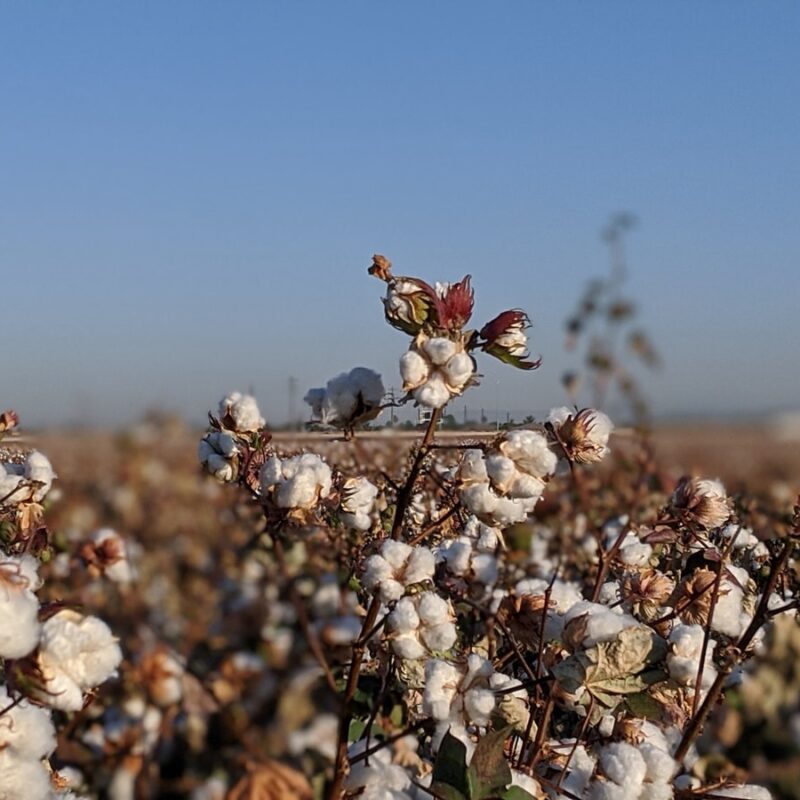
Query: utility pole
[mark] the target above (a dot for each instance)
(292, 400)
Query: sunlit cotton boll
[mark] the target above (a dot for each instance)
(297, 482)
(241, 412)
(76, 653)
(25, 729)
(397, 566)
(19, 606)
(358, 503)
(39, 469)
(23, 778)
(348, 398)
(436, 369)
(216, 451)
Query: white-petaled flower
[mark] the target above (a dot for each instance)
(436, 369)
(76, 653)
(239, 412)
(583, 434)
(358, 503)
(348, 399)
(19, 606)
(298, 482)
(397, 566)
(420, 625)
(218, 453)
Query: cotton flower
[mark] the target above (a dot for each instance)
(436, 369)
(239, 412)
(76, 653)
(19, 606)
(397, 566)
(357, 503)
(583, 434)
(348, 399)
(299, 482)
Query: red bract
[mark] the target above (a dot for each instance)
(455, 308)
(502, 322)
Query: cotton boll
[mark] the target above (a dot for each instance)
(558, 416)
(530, 452)
(439, 637)
(501, 471)
(479, 705)
(623, 764)
(420, 566)
(526, 486)
(315, 398)
(602, 624)
(434, 393)
(404, 617)
(728, 613)
(25, 729)
(456, 554)
(634, 552)
(433, 609)
(473, 467)
(683, 661)
(661, 766)
(414, 370)
(19, 606)
(441, 681)
(408, 646)
(76, 653)
(22, 778)
(39, 469)
(396, 553)
(439, 350)
(484, 565)
(241, 411)
(458, 370)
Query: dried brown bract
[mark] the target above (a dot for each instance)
(703, 501)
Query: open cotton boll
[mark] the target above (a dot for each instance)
(314, 398)
(39, 469)
(240, 411)
(395, 567)
(623, 764)
(456, 554)
(76, 653)
(745, 791)
(23, 778)
(25, 729)
(683, 661)
(414, 370)
(458, 370)
(530, 451)
(441, 682)
(473, 467)
(439, 350)
(526, 486)
(501, 470)
(19, 607)
(634, 552)
(433, 393)
(602, 624)
(479, 704)
(358, 502)
(661, 766)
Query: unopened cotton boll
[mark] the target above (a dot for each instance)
(19, 607)
(240, 411)
(76, 653)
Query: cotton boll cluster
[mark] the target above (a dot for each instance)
(26, 481)
(76, 653)
(466, 559)
(348, 399)
(298, 482)
(358, 503)
(683, 660)
(599, 623)
(239, 412)
(420, 625)
(434, 370)
(730, 616)
(502, 486)
(396, 567)
(459, 695)
(379, 778)
(27, 736)
(582, 434)
(19, 607)
(218, 452)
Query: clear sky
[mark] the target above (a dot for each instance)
(190, 192)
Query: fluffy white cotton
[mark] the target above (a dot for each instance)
(30, 480)
(439, 350)
(395, 567)
(602, 624)
(420, 625)
(530, 451)
(76, 653)
(119, 568)
(634, 552)
(434, 393)
(745, 791)
(25, 729)
(348, 398)
(623, 764)
(414, 369)
(241, 410)
(436, 369)
(19, 606)
(39, 469)
(216, 451)
(298, 482)
(358, 503)
(22, 778)
(683, 660)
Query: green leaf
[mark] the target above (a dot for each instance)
(643, 706)
(450, 766)
(357, 728)
(488, 771)
(447, 792)
(516, 793)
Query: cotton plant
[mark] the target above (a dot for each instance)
(573, 626)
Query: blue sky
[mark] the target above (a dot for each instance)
(190, 193)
